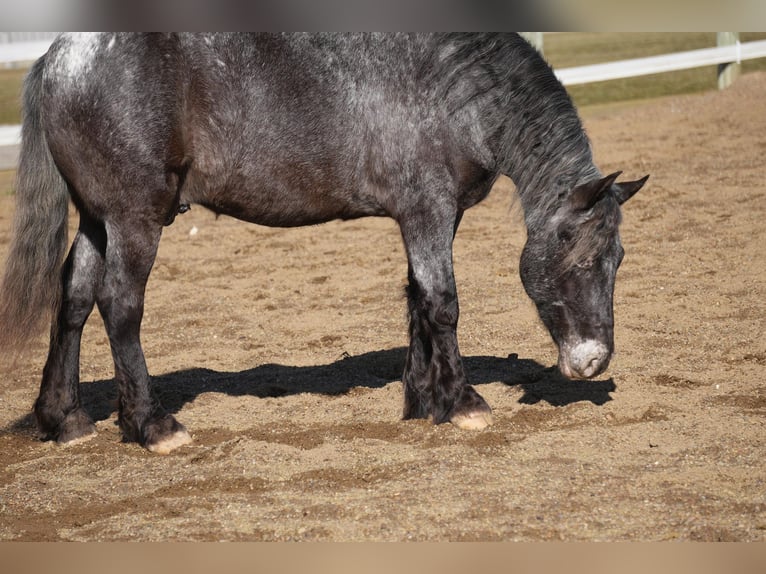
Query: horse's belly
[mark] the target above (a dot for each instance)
(278, 203)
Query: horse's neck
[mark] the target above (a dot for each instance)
(546, 167)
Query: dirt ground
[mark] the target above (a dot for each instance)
(282, 351)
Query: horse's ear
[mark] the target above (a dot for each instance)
(624, 191)
(585, 195)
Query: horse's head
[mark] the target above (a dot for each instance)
(568, 268)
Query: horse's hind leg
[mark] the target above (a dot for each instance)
(130, 252)
(59, 413)
(434, 379)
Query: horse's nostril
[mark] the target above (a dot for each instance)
(592, 367)
(587, 359)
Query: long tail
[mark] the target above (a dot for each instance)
(31, 287)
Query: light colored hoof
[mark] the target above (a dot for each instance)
(79, 439)
(473, 421)
(171, 443)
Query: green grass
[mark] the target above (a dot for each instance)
(10, 95)
(562, 51)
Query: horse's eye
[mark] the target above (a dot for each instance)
(565, 236)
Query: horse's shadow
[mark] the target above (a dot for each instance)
(373, 370)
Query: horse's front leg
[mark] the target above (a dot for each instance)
(434, 379)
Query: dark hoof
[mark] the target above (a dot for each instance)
(76, 427)
(164, 435)
(414, 409)
(471, 411)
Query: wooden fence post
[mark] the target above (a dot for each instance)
(729, 72)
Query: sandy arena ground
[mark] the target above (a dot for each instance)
(282, 351)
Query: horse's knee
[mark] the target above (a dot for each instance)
(443, 311)
(446, 310)
(438, 308)
(76, 309)
(122, 307)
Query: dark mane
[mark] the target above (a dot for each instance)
(530, 121)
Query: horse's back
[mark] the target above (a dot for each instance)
(321, 126)
(275, 129)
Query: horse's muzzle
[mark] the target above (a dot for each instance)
(584, 360)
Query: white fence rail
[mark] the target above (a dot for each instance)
(16, 52)
(26, 36)
(735, 53)
(10, 135)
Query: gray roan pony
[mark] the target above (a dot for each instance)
(288, 130)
